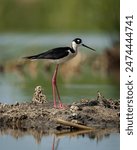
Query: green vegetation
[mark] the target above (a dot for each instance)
(59, 16)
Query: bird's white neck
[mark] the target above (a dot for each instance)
(74, 45)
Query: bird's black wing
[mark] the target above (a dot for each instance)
(55, 53)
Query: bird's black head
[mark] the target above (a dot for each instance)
(77, 40)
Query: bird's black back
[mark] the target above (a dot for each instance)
(55, 53)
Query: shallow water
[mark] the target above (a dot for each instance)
(13, 90)
(13, 45)
(108, 142)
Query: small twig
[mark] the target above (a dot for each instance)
(67, 123)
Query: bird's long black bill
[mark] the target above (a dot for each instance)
(88, 47)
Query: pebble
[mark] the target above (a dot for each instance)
(74, 108)
(74, 114)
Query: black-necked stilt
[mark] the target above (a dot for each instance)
(58, 56)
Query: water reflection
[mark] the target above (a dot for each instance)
(61, 140)
(55, 143)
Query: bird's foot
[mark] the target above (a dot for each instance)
(55, 106)
(60, 106)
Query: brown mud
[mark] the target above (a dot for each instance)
(39, 115)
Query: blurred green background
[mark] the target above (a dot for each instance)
(59, 15)
(29, 27)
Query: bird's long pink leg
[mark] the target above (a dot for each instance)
(55, 89)
(60, 103)
(54, 86)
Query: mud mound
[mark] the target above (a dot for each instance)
(99, 113)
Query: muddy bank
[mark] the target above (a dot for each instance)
(98, 113)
